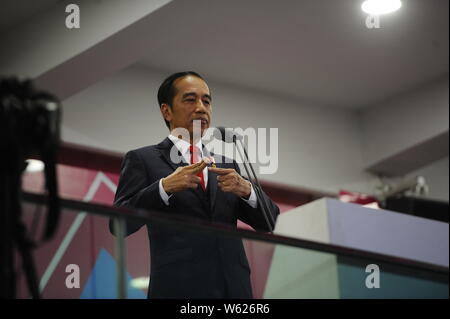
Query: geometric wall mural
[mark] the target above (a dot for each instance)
(102, 282)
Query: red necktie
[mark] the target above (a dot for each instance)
(195, 158)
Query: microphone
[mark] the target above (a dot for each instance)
(226, 135)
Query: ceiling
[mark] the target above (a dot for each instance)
(14, 12)
(318, 51)
(315, 50)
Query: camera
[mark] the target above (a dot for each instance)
(29, 127)
(29, 118)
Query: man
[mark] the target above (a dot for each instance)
(185, 264)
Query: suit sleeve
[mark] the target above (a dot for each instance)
(255, 216)
(135, 190)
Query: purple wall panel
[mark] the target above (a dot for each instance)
(387, 232)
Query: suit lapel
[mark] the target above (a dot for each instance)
(212, 183)
(164, 148)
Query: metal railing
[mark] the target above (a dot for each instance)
(121, 215)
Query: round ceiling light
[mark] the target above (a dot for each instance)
(381, 6)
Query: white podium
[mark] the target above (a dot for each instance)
(302, 273)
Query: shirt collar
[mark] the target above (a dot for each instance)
(182, 145)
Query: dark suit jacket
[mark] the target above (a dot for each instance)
(185, 264)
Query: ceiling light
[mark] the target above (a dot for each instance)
(380, 6)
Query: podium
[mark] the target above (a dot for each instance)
(305, 273)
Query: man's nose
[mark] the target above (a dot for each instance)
(201, 107)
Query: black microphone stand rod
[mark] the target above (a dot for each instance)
(257, 187)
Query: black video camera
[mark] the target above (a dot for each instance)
(30, 127)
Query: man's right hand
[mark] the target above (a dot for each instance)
(183, 178)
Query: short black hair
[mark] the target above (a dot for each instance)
(166, 91)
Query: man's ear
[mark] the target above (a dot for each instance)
(166, 112)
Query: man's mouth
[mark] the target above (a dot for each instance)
(203, 121)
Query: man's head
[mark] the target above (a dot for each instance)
(184, 97)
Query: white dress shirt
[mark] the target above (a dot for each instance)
(183, 147)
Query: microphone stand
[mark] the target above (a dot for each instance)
(257, 187)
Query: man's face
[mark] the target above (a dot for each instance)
(192, 101)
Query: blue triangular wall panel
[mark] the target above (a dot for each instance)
(102, 282)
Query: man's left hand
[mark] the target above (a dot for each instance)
(231, 182)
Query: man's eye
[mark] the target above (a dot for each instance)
(207, 102)
(190, 100)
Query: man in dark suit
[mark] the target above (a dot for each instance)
(185, 264)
